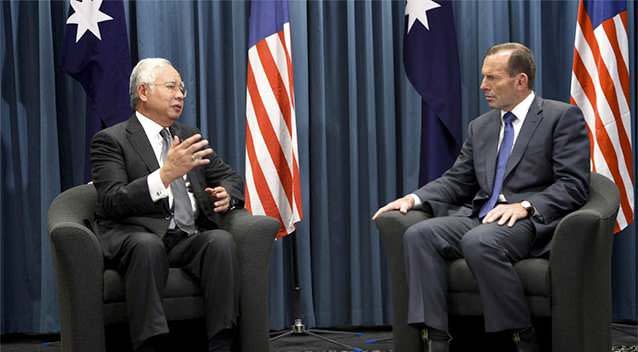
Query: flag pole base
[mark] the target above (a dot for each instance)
(299, 329)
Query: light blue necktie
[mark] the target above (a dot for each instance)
(501, 161)
(182, 208)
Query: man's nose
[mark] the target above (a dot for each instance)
(483, 85)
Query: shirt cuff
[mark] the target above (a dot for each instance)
(417, 201)
(156, 186)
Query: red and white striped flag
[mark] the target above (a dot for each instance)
(273, 182)
(600, 87)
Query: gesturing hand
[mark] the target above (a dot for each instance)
(402, 204)
(183, 156)
(220, 197)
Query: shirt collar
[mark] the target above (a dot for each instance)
(522, 108)
(151, 127)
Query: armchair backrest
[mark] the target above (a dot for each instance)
(603, 196)
(75, 205)
(597, 216)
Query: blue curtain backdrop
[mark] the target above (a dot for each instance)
(358, 124)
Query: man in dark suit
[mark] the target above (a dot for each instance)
(161, 190)
(523, 166)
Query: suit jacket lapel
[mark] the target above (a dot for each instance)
(138, 139)
(533, 118)
(491, 151)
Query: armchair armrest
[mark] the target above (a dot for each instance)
(580, 274)
(392, 223)
(79, 265)
(254, 236)
(580, 271)
(392, 226)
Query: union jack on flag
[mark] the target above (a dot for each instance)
(273, 181)
(600, 87)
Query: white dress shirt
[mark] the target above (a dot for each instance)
(520, 111)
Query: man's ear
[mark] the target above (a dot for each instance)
(142, 92)
(522, 80)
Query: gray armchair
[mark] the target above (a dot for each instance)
(572, 286)
(91, 297)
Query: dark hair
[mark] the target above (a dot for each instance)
(521, 60)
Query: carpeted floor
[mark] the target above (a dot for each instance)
(369, 341)
(624, 339)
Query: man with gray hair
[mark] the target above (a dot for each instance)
(523, 166)
(161, 189)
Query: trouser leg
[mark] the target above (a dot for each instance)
(490, 251)
(426, 246)
(211, 257)
(144, 265)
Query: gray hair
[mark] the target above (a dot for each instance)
(521, 60)
(144, 72)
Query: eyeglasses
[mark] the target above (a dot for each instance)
(173, 87)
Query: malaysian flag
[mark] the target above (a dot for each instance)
(600, 87)
(273, 182)
(431, 63)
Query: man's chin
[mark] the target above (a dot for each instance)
(493, 104)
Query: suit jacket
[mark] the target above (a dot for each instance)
(122, 158)
(548, 166)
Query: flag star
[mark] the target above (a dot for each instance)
(87, 15)
(417, 10)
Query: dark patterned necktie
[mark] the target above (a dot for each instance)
(182, 208)
(501, 161)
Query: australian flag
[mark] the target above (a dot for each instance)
(432, 65)
(96, 53)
